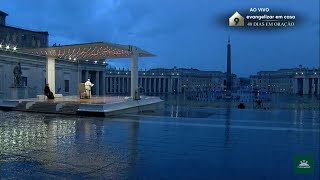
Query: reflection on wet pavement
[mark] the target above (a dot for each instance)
(176, 143)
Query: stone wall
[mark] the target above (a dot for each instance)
(22, 38)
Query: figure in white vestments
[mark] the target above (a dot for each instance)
(88, 86)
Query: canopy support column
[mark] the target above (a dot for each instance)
(51, 79)
(134, 74)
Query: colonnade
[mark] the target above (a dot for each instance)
(121, 84)
(306, 85)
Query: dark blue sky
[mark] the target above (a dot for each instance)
(182, 33)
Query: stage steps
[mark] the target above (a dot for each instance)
(47, 107)
(43, 107)
(97, 106)
(69, 109)
(21, 106)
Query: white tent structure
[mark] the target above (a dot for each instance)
(90, 51)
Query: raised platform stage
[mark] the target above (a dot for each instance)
(73, 105)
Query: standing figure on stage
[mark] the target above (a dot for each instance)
(88, 86)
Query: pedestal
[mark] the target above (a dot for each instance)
(19, 93)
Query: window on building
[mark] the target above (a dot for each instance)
(33, 41)
(66, 85)
(38, 43)
(24, 37)
(24, 81)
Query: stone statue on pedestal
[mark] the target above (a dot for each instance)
(17, 76)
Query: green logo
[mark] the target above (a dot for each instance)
(303, 164)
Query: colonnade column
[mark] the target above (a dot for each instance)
(149, 84)
(145, 84)
(115, 80)
(111, 84)
(115, 85)
(97, 84)
(154, 84)
(139, 82)
(128, 85)
(164, 85)
(179, 86)
(313, 87)
(107, 85)
(86, 75)
(295, 86)
(319, 86)
(170, 85)
(305, 86)
(122, 83)
(103, 83)
(118, 85)
(159, 85)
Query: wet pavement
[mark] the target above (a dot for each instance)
(177, 143)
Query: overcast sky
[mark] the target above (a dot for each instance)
(182, 33)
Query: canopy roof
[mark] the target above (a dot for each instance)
(88, 51)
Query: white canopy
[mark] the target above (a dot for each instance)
(87, 51)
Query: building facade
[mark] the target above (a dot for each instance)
(21, 38)
(299, 80)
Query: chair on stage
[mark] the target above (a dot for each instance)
(82, 91)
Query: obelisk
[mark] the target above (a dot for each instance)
(229, 76)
